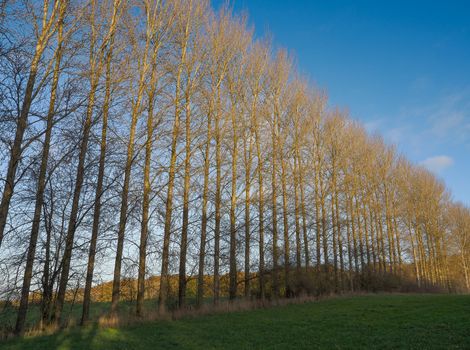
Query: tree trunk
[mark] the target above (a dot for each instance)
(135, 113)
(233, 204)
(23, 308)
(146, 194)
(298, 258)
(187, 175)
(49, 26)
(99, 190)
(164, 283)
(260, 210)
(275, 278)
(248, 159)
(304, 213)
(218, 164)
(205, 194)
(285, 224)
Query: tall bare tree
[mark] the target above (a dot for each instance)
(23, 308)
(43, 33)
(96, 63)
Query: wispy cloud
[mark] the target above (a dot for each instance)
(438, 163)
(450, 120)
(373, 126)
(426, 128)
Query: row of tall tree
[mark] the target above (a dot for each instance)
(160, 138)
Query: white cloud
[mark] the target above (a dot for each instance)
(373, 126)
(397, 135)
(434, 127)
(438, 163)
(448, 120)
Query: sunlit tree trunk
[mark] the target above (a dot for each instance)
(205, 194)
(164, 283)
(99, 188)
(335, 241)
(49, 26)
(318, 223)
(233, 204)
(338, 226)
(285, 218)
(349, 225)
(192, 67)
(218, 197)
(275, 278)
(146, 190)
(96, 65)
(23, 308)
(248, 161)
(298, 258)
(304, 213)
(259, 157)
(151, 13)
(169, 199)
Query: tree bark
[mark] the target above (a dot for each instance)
(49, 26)
(99, 189)
(23, 308)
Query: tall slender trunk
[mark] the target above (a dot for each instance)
(285, 223)
(323, 227)
(354, 236)
(298, 258)
(275, 278)
(338, 226)
(378, 219)
(366, 231)
(233, 204)
(75, 206)
(397, 238)
(124, 206)
(465, 270)
(349, 243)
(373, 233)
(377, 237)
(360, 238)
(46, 297)
(317, 216)
(248, 159)
(146, 193)
(99, 190)
(49, 26)
(23, 308)
(253, 131)
(184, 232)
(304, 213)
(414, 254)
(164, 283)
(218, 195)
(260, 210)
(335, 241)
(96, 65)
(186, 185)
(135, 113)
(205, 194)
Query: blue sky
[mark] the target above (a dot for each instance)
(400, 67)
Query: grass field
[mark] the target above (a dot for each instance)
(360, 322)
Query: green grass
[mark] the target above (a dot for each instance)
(362, 322)
(71, 312)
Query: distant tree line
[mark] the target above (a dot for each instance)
(160, 138)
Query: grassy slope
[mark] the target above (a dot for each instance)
(382, 322)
